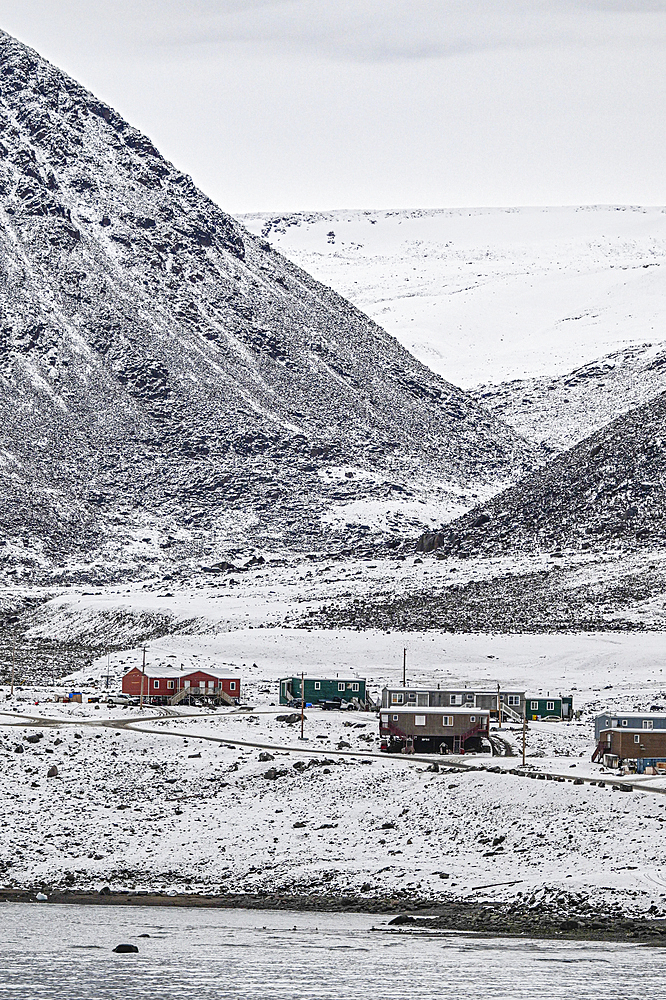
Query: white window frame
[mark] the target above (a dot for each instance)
(397, 699)
(624, 722)
(232, 685)
(317, 685)
(170, 685)
(513, 699)
(419, 720)
(354, 687)
(156, 684)
(396, 718)
(447, 720)
(456, 699)
(472, 718)
(534, 706)
(341, 685)
(648, 724)
(637, 738)
(385, 719)
(550, 706)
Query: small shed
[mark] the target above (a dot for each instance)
(432, 730)
(319, 689)
(549, 709)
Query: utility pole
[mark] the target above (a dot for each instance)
(302, 703)
(108, 667)
(524, 731)
(499, 707)
(11, 690)
(143, 675)
(404, 668)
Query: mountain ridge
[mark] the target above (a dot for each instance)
(167, 380)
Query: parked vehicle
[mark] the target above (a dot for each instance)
(121, 700)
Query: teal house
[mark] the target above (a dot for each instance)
(319, 689)
(559, 708)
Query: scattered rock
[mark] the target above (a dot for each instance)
(264, 756)
(52, 772)
(126, 949)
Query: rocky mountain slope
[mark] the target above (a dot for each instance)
(170, 385)
(606, 494)
(559, 411)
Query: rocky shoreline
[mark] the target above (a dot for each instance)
(563, 917)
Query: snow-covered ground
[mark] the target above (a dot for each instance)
(489, 295)
(171, 809)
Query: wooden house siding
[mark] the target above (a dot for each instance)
(630, 744)
(431, 730)
(319, 689)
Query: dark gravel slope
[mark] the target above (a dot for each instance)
(605, 495)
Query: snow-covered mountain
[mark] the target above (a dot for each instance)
(170, 384)
(556, 317)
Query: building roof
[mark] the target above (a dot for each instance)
(629, 729)
(318, 677)
(168, 671)
(426, 710)
(631, 715)
(454, 690)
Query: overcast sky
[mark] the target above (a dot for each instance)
(313, 104)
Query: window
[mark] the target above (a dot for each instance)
(354, 687)
(317, 685)
(232, 685)
(419, 720)
(341, 685)
(637, 738)
(648, 724)
(624, 722)
(447, 720)
(472, 718)
(156, 684)
(513, 699)
(470, 696)
(550, 706)
(396, 699)
(384, 720)
(534, 706)
(395, 718)
(456, 699)
(170, 685)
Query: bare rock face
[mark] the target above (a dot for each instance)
(166, 379)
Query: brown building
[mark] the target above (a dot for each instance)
(432, 730)
(631, 744)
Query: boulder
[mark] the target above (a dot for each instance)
(264, 757)
(52, 772)
(126, 949)
(34, 738)
(402, 918)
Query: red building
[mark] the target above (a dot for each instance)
(162, 683)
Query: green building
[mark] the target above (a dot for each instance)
(319, 689)
(548, 708)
